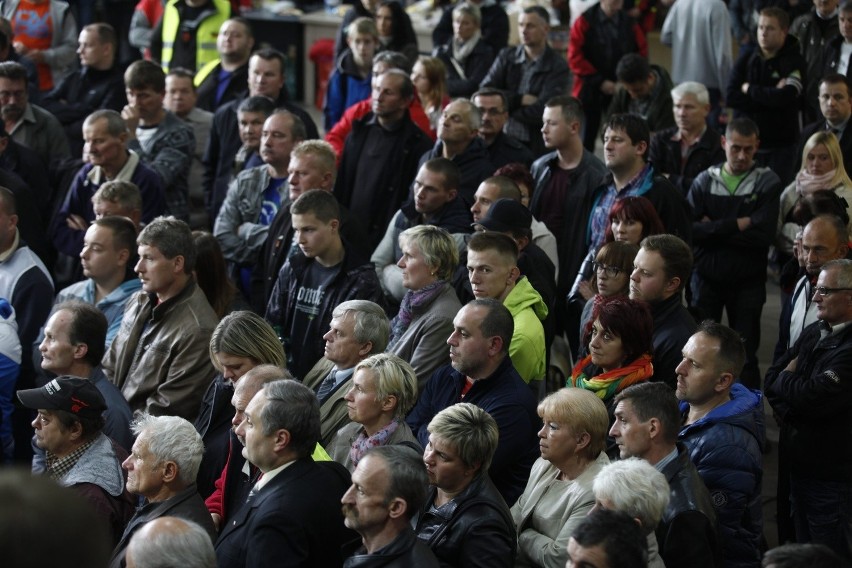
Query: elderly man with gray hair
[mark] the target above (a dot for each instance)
(635, 487)
(171, 541)
(358, 329)
(162, 468)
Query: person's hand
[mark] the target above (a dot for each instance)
(608, 87)
(35, 55)
(131, 119)
(791, 366)
(77, 223)
(528, 100)
(706, 219)
(20, 48)
(217, 520)
(781, 84)
(743, 223)
(744, 88)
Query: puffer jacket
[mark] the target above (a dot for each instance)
(726, 447)
(527, 347)
(240, 213)
(479, 530)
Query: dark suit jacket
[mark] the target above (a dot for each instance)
(186, 505)
(294, 520)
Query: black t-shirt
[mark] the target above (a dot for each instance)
(306, 343)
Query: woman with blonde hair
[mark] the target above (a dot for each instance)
(384, 389)
(822, 168)
(242, 341)
(419, 331)
(430, 82)
(559, 493)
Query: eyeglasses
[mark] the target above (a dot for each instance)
(610, 271)
(824, 292)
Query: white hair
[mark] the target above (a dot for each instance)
(699, 91)
(171, 438)
(635, 487)
(185, 544)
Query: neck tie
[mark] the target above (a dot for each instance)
(326, 386)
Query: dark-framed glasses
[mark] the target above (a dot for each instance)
(824, 291)
(610, 271)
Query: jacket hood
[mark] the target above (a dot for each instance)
(476, 150)
(454, 217)
(523, 296)
(744, 410)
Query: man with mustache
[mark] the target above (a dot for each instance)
(388, 488)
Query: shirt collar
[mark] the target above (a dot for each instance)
(270, 475)
(666, 460)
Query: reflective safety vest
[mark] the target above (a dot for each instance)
(206, 31)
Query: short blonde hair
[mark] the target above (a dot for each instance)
(392, 376)
(582, 411)
(471, 431)
(438, 248)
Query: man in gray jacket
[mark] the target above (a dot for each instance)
(256, 195)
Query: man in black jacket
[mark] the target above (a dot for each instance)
(98, 84)
(530, 74)
(810, 391)
(265, 78)
(660, 272)
(381, 156)
(647, 422)
(388, 488)
(835, 103)
(767, 86)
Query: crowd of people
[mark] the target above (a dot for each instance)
(445, 333)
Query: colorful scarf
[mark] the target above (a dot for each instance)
(413, 300)
(606, 385)
(363, 442)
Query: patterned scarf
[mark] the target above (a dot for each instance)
(363, 442)
(413, 299)
(606, 385)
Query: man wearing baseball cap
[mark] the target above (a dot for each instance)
(68, 428)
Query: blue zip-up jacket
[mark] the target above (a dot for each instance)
(726, 447)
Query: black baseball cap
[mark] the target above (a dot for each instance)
(71, 394)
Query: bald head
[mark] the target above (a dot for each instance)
(825, 238)
(170, 541)
(254, 380)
